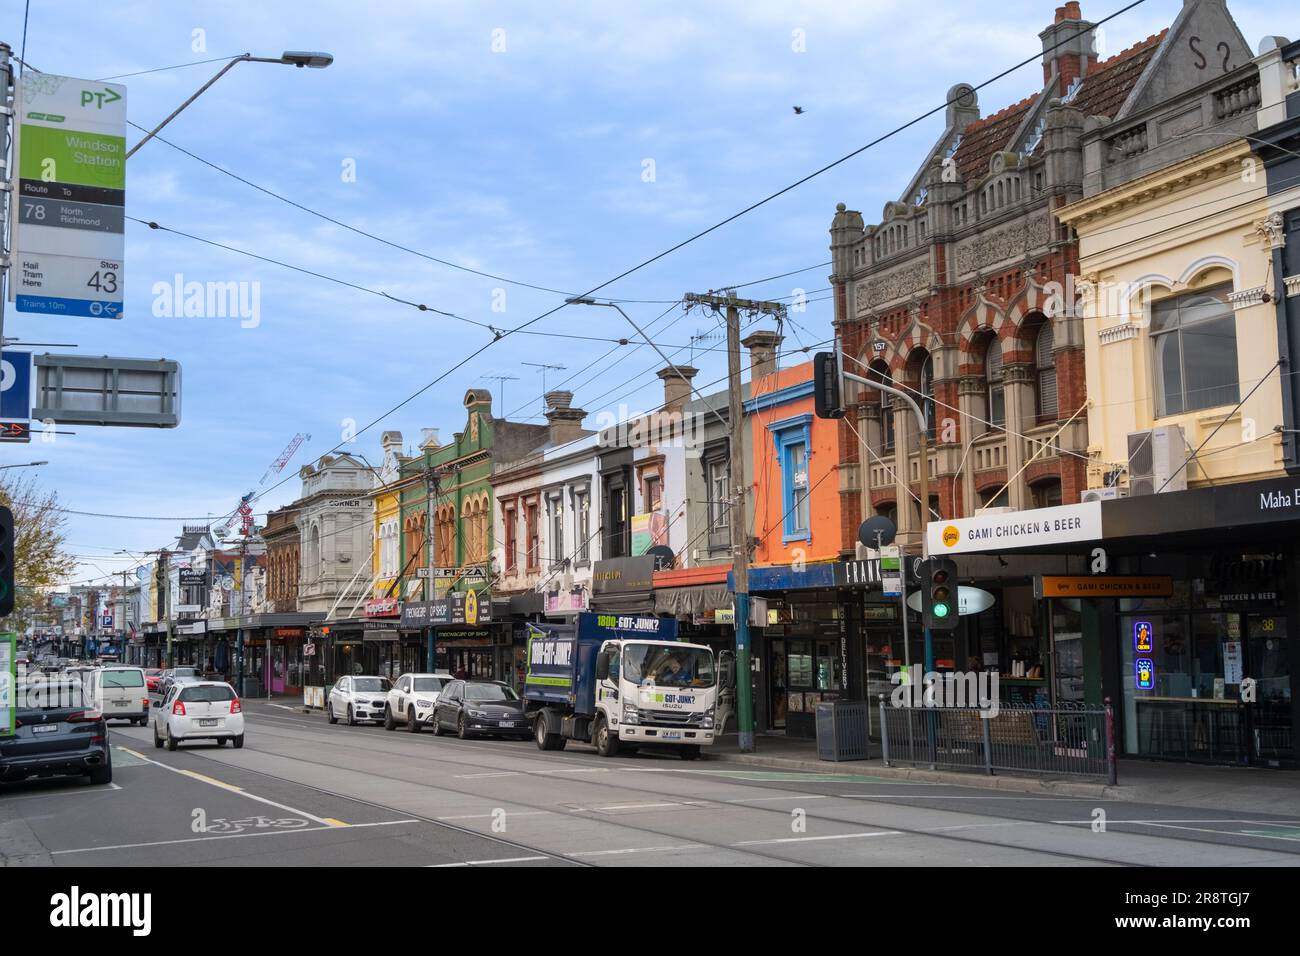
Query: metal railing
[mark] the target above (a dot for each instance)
(1073, 741)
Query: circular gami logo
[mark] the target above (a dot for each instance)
(951, 536)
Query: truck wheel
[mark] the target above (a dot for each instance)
(605, 739)
(691, 753)
(389, 723)
(544, 740)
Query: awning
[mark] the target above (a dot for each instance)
(688, 603)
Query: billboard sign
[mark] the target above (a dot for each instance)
(69, 210)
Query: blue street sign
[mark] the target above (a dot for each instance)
(15, 396)
(16, 386)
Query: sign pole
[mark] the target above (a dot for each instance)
(8, 682)
(7, 100)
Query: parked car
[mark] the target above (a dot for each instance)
(412, 698)
(153, 678)
(471, 707)
(358, 698)
(170, 675)
(199, 710)
(121, 692)
(56, 733)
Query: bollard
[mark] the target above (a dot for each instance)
(1112, 765)
(884, 733)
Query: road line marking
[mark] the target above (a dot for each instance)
(489, 816)
(239, 790)
(902, 797)
(78, 792)
(836, 836)
(654, 806)
(336, 823)
(496, 773)
(1231, 833)
(283, 707)
(212, 780)
(226, 836)
(1270, 823)
(802, 796)
(641, 849)
(511, 859)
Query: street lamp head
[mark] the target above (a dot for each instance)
(579, 300)
(317, 61)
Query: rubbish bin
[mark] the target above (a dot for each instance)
(252, 687)
(842, 732)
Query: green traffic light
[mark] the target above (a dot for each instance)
(940, 610)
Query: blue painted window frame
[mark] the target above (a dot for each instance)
(788, 434)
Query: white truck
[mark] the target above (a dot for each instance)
(620, 682)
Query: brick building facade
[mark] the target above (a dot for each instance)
(955, 294)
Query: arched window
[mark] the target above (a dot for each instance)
(927, 391)
(997, 405)
(878, 371)
(1045, 366)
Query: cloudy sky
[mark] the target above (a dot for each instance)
(555, 145)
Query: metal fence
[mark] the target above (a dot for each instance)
(1066, 740)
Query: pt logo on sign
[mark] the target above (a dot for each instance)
(99, 97)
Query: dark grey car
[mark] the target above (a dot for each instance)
(57, 733)
(474, 707)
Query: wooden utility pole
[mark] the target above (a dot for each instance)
(736, 477)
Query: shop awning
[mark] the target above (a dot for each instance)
(690, 602)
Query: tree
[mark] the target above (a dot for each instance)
(40, 559)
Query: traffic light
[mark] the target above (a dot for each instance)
(939, 594)
(6, 561)
(826, 385)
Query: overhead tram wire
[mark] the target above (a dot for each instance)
(707, 231)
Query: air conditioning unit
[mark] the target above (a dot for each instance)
(1156, 460)
(1104, 494)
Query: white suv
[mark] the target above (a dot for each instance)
(363, 697)
(204, 710)
(412, 698)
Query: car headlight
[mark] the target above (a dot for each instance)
(478, 713)
(631, 715)
(424, 703)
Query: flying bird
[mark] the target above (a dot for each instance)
(798, 111)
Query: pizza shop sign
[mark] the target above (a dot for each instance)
(1037, 527)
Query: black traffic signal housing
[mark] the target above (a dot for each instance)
(6, 561)
(827, 401)
(939, 594)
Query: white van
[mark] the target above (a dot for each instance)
(122, 693)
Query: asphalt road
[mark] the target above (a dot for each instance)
(302, 792)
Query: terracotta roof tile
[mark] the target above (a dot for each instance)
(1103, 92)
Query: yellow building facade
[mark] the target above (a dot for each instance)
(1174, 269)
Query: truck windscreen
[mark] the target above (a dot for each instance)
(664, 665)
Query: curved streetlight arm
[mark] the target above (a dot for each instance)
(916, 409)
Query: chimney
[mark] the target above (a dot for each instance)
(763, 348)
(430, 439)
(391, 441)
(677, 385)
(1076, 55)
(565, 422)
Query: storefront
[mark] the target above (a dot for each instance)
(468, 639)
(1178, 608)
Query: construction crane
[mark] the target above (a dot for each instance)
(243, 513)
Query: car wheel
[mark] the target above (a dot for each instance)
(605, 738)
(329, 714)
(691, 752)
(352, 720)
(437, 725)
(157, 741)
(412, 725)
(389, 723)
(171, 743)
(239, 742)
(462, 731)
(104, 774)
(221, 741)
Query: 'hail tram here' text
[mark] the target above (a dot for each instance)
(71, 197)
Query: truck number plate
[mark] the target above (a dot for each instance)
(671, 735)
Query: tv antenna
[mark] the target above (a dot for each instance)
(544, 368)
